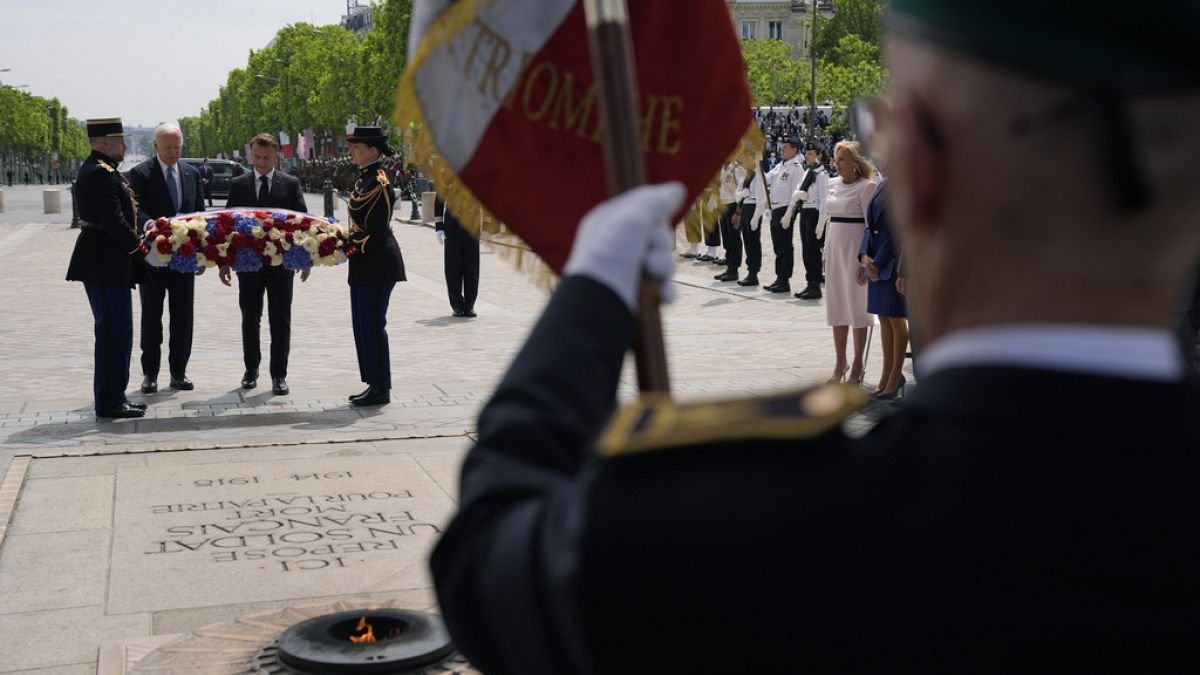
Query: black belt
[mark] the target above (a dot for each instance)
(839, 219)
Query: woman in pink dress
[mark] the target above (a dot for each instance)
(845, 281)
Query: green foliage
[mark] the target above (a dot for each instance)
(322, 77)
(851, 74)
(861, 18)
(33, 127)
(774, 76)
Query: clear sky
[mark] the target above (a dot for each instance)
(146, 61)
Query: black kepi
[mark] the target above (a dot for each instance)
(372, 136)
(108, 126)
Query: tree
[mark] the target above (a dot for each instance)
(774, 76)
(384, 55)
(861, 18)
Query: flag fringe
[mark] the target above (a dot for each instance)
(706, 210)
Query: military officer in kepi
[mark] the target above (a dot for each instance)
(105, 259)
(375, 265)
(1030, 508)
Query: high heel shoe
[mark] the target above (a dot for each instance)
(839, 376)
(899, 393)
(857, 380)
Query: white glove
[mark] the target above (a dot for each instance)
(483, 235)
(821, 225)
(787, 216)
(441, 237)
(799, 196)
(754, 222)
(625, 235)
(741, 195)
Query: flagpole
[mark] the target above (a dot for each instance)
(611, 48)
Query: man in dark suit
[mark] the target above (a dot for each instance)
(206, 179)
(165, 187)
(106, 260)
(1029, 508)
(266, 187)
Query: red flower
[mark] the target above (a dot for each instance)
(327, 247)
(237, 242)
(225, 219)
(266, 261)
(186, 249)
(268, 225)
(211, 252)
(193, 235)
(259, 246)
(163, 246)
(288, 237)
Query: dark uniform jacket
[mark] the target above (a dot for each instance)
(154, 201)
(378, 259)
(285, 193)
(105, 251)
(1004, 520)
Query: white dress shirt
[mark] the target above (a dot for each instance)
(258, 181)
(1105, 350)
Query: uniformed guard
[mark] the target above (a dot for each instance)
(105, 260)
(782, 181)
(1031, 507)
(811, 196)
(375, 263)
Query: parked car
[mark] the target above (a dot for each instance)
(223, 171)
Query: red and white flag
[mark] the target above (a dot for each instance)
(503, 106)
(285, 144)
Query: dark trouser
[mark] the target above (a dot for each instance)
(781, 242)
(112, 309)
(368, 311)
(810, 247)
(732, 238)
(461, 255)
(752, 239)
(180, 291)
(276, 282)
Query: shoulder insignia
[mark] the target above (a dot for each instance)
(382, 177)
(107, 167)
(656, 423)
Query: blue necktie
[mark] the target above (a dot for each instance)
(172, 188)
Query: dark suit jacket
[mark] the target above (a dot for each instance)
(878, 241)
(1003, 520)
(105, 250)
(150, 189)
(285, 192)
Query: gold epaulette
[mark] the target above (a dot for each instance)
(107, 167)
(382, 177)
(654, 422)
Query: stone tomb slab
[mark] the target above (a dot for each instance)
(203, 535)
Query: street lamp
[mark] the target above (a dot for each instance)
(812, 93)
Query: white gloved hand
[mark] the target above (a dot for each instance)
(787, 216)
(754, 222)
(799, 196)
(441, 237)
(741, 195)
(483, 235)
(626, 235)
(821, 225)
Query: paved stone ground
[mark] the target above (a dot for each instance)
(722, 340)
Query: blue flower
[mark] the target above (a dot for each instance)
(182, 264)
(279, 215)
(247, 260)
(296, 258)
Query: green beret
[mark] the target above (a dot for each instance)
(1122, 45)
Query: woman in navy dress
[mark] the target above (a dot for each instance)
(878, 255)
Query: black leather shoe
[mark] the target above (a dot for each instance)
(471, 314)
(123, 411)
(182, 382)
(780, 287)
(364, 392)
(149, 386)
(139, 406)
(279, 386)
(718, 261)
(751, 280)
(460, 313)
(375, 396)
(250, 379)
(705, 258)
(727, 276)
(810, 293)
